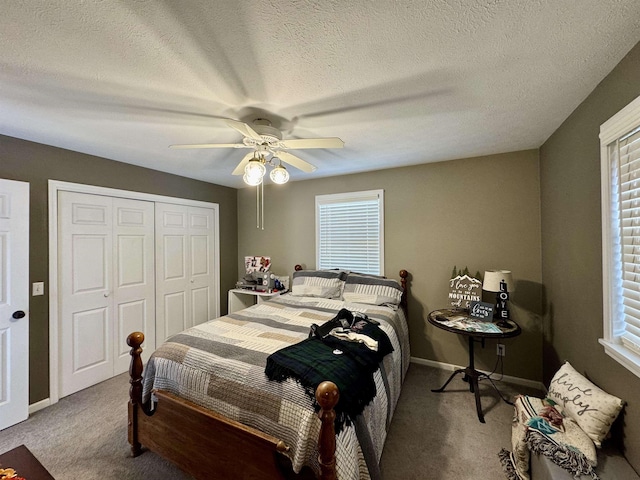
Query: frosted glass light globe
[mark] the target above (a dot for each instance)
(253, 181)
(279, 175)
(255, 169)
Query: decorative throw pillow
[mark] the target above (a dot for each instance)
(372, 290)
(318, 283)
(592, 408)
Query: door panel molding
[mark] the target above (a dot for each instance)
(54, 187)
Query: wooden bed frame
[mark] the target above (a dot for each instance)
(208, 445)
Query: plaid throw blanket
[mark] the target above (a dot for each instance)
(540, 426)
(350, 365)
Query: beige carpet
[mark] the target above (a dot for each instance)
(438, 435)
(432, 436)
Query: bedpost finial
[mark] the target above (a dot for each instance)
(404, 274)
(327, 395)
(135, 339)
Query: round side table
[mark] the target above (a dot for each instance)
(458, 321)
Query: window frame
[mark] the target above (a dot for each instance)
(347, 197)
(623, 122)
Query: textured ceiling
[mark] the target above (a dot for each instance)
(401, 82)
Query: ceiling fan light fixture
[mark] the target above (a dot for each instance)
(255, 169)
(253, 181)
(279, 174)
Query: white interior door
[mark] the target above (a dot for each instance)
(134, 300)
(185, 279)
(106, 284)
(201, 238)
(86, 259)
(14, 298)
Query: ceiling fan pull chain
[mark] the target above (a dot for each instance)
(260, 206)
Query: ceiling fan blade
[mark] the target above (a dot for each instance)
(244, 129)
(329, 142)
(426, 91)
(239, 170)
(210, 145)
(294, 161)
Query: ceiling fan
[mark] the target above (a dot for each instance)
(266, 141)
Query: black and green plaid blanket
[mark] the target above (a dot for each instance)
(350, 365)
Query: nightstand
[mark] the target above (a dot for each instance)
(458, 321)
(240, 298)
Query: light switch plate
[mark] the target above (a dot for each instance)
(38, 289)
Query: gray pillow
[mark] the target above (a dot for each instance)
(318, 283)
(372, 290)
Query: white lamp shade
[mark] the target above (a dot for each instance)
(492, 279)
(279, 175)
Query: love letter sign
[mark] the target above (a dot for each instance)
(481, 311)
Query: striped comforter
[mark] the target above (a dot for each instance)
(220, 365)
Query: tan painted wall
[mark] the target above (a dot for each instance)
(36, 163)
(482, 213)
(572, 245)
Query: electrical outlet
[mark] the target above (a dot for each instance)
(501, 350)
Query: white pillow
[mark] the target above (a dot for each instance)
(592, 408)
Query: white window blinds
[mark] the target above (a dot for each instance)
(624, 155)
(350, 231)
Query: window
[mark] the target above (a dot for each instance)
(350, 231)
(620, 158)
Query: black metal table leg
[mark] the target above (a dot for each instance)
(470, 375)
(472, 367)
(476, 392)
(473, 381)
(456, 372)
(457, 320)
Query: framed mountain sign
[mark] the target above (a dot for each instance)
(464, 289)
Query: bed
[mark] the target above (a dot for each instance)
(205, 403)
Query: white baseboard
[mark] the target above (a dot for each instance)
(505, 378)
(34, 407)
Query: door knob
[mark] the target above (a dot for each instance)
(106, 294)
(18, 314)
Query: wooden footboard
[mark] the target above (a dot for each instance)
(208, 445)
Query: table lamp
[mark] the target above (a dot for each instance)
(501, 283)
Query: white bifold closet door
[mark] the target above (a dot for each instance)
(184, 268)
(107, 284)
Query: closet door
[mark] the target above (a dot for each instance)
(134, 301)
(86, 314)
(106, 284)
(184, 268)
(201, 242)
